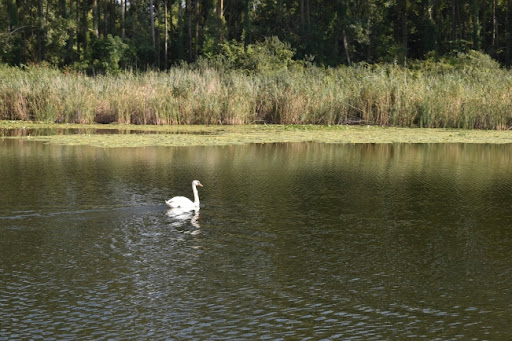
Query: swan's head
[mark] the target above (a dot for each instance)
(196, 183)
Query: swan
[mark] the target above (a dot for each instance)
(185, 203)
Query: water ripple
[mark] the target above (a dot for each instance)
(305, 241)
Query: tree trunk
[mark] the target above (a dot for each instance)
(78, 27)
(105, 18)
(302, 15)
(345, 46)
(190, 42)
(13, 15)
(63, 12)
(95, 18)
(123, 8)
(40, 32)
(152, 18)
(476, 25)
(196, 39)
(454, 21)
(181, 33)
(403, 23)
(509, 33)
(220, 9)
(247, 24)
(494, 26)
(220, 21)
(166, 35)
(340, 33)
(429, 30)
(157, 32)
(308, 15)
(84, 27)
(71, 34)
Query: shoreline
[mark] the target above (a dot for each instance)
(121, 135)
(380, 95)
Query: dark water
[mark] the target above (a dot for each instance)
(293, 241)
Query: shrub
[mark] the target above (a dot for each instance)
(267, 56)
(104, 55)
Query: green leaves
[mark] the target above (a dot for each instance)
(268, 56)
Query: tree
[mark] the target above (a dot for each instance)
(330, 32)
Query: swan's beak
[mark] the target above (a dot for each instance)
(200, 185)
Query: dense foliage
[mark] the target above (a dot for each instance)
(108, 35)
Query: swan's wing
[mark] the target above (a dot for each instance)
(169, 203)
(180, 213)
(179, 202)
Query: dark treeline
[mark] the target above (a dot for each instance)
(103, 35)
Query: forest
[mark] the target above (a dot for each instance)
(107, 35)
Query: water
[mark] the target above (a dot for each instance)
(25, 132)
(293, 241)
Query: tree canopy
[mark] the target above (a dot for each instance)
(105, 35)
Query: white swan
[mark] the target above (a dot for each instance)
(185, 203)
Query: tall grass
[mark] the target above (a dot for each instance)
(385, 95)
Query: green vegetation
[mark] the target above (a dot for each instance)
(99, 36)
(470, 91)
(200, 135)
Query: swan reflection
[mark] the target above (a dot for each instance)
(181, 216)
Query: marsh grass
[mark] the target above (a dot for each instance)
(385, 95)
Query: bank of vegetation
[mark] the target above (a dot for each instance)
(465, 91)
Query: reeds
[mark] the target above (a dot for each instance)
(385, 95)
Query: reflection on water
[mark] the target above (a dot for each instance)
(292, 241)
(5, 132)
(181, 216)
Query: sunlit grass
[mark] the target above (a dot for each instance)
(384, 95)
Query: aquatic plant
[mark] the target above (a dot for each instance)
(386, 95)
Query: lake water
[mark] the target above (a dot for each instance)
(292, 241)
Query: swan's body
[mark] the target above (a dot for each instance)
(185, 203)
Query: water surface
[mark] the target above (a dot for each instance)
(292, 241)
(28, 132)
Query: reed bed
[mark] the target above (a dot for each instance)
(385, 95)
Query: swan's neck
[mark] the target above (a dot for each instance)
(196, 196)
